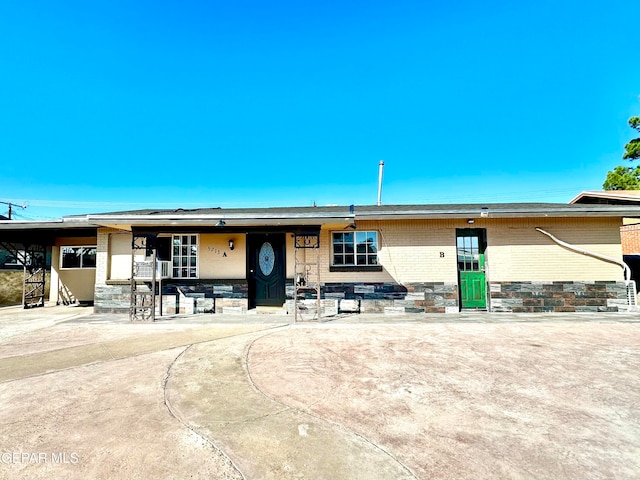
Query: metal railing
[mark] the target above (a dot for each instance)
(632, 297)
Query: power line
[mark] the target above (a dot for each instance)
(11, 204)
(542, 195)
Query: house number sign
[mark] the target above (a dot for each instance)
(217, 251)
(266, 259)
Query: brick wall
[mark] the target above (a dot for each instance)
(102, 255)
(630, 236)
(409, 251)
(413, 251)
(517, 252)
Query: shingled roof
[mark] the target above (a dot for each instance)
(326, 214)
(331, 214)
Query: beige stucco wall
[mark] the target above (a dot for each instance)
(78, 281)
(217, 260)
(291, 265)
(115, 246)
(119, 266)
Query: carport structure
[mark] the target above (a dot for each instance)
(30, 243)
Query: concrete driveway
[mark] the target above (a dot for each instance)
(469, 396)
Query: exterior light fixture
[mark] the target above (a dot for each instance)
(471, 221)
(221, 223)
(231, 247)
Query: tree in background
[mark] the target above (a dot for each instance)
(623, 178)
(632, 149)
(626, 178)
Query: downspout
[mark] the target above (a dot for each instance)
(627, 270)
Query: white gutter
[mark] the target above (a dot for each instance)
(420, 212)
(174, 222)
(627, 270)
(17, 225)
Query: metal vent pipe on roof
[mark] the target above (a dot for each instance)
(381, 165)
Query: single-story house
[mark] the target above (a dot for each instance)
(515, 257)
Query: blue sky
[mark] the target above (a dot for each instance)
(113, 105)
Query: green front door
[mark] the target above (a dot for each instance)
(471, 245)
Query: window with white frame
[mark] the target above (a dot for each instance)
(355, 248)
(78, 257)
(184, 256)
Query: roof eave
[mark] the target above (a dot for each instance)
(606, 194)
(229, 220)
(44, 225)
(591, 212)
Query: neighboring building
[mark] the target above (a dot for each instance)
(387, 259)
(629, 231)
(608, 197)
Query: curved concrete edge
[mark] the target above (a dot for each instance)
(22, 366)
(102, 421)
(209, 390)
(176, 416)
(338, 425)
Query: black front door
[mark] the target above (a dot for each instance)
(266, 265)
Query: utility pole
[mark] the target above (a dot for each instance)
(11, 205)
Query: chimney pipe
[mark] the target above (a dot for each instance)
(380, 182)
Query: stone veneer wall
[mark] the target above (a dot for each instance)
(423, 297)
(579, 296)
(231, 296)
(227, 296)
(113, 297)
